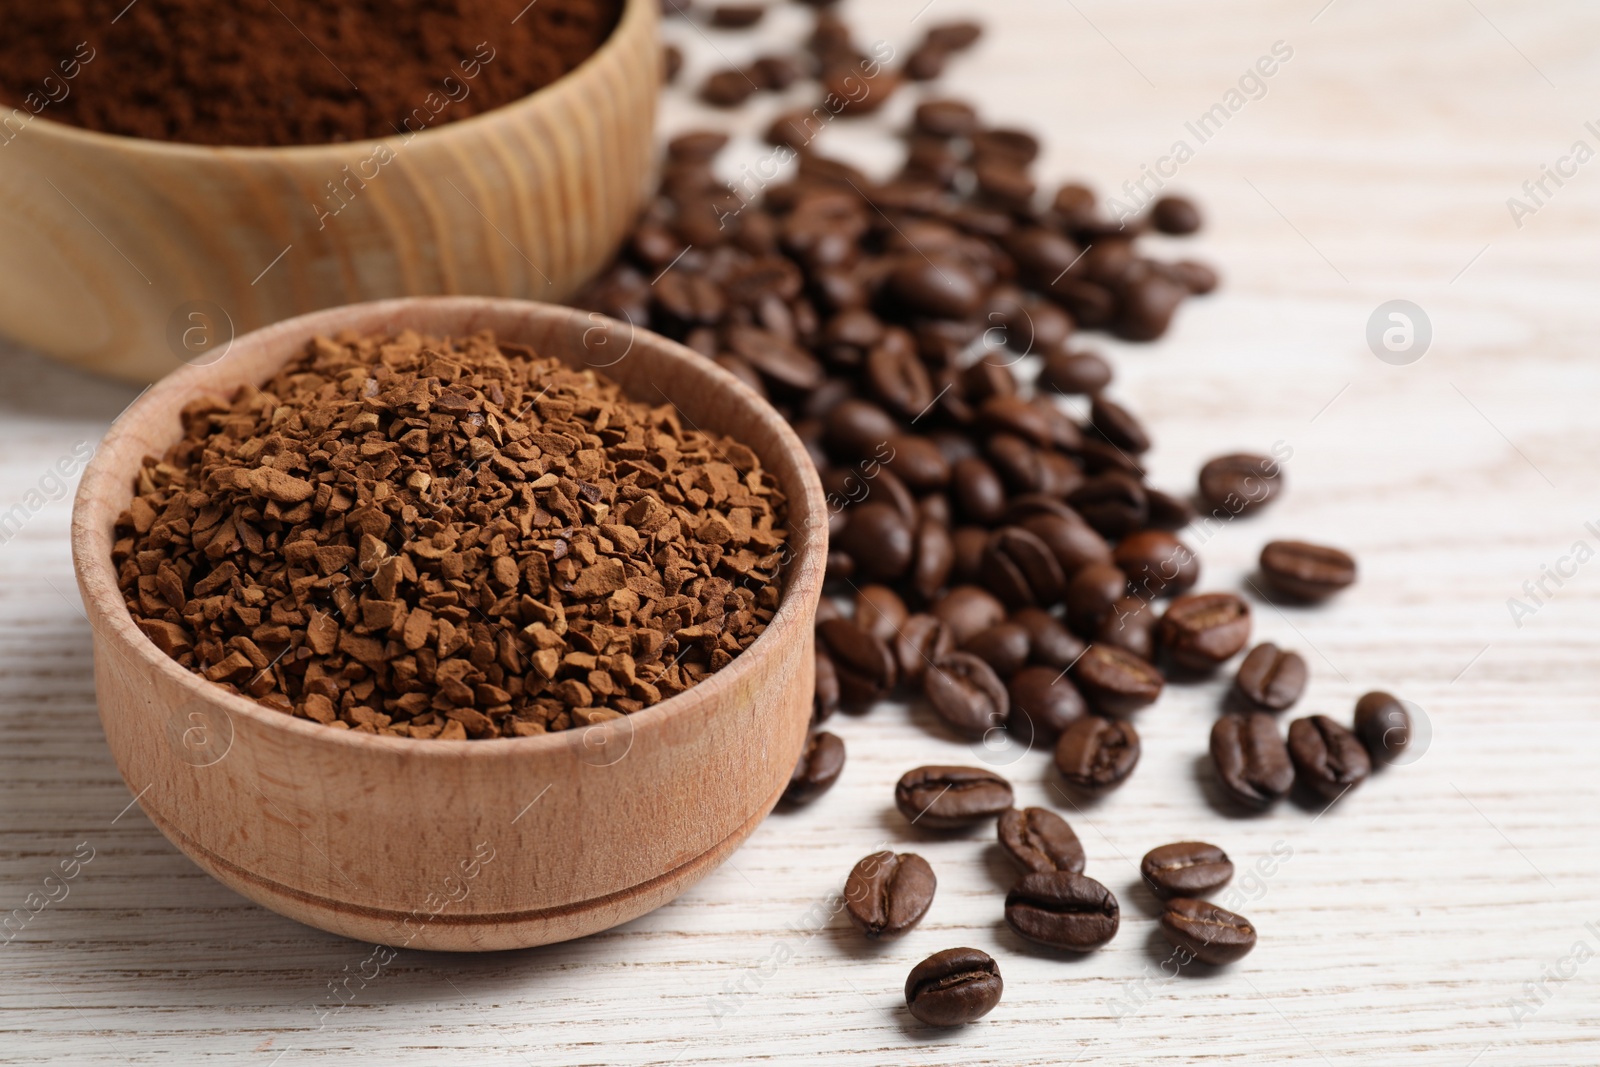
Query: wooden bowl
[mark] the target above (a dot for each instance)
(458, 845)
(131, 257)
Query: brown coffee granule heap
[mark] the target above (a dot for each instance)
(285, 72)
(449, 538)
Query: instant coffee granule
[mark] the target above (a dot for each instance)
(449, 538)
(285, 72)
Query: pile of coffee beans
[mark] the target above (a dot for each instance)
(451, 538)
(996, 549)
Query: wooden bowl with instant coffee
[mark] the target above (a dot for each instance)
(132, 256)
(461, 845)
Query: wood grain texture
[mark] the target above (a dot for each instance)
(107, 243)
(1407, 918)
(457, 845)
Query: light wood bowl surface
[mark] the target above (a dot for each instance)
(459, 845)
(131, 257)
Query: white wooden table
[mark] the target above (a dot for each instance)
(1408, 922)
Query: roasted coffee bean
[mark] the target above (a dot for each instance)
(934, 555)
(1117, 425)
(1251, 759)
(1198, 278)
(1018, 147)
(1306, 571)
(967, 694)
(1175, 215)
(954, 36)
(1004, 647)
(1091, 593)
(689, 298)
(897, 378)
(825, 694)
(880, 612)
(775, 73)
(1096, 754)
(1145, 305)
(950, 798)
(1115, 681)
(727, 88)
(1015, 416)
(1063, 910)
(969, 542)
(942, 287)
(737, 16)
(865, 665)
(878, 538)
(1208, 933)
(1043, 704)
(694, 146)
(1384, 725)
(918, 463)
(1271, 678)
(1038, 839)
(923, 640)
(1050, 644)
(1157, 563)
(953, 987)
(945, 118)
(1130, 625)
(671, 63)
(1004, 184)
(1075, 373)
(779, 360)
(1113, 503)
(1020, 569)
(1167, 512)
(979, 494)
(856, 429)
(1327, 758)
(1074, 542)
(1239, 483)
(887, 894)
(1186, 869)
(819, 767)
(1204, 630)
(967, 609)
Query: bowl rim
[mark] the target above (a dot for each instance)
(635, 15)
(103, 597)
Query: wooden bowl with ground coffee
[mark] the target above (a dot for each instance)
(170, 179)
(453, 623)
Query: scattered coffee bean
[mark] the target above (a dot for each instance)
(819, 767)
(880, 612)
(1043, 704)
(865, 665)
(966, 693)
(1271, 678)
(1384, 725)
(1091, 594)
(1251, 758)
(878, 538)
(1075, 373)
(1040, 840)
(1130, 625)
(1004, 647)
(967, 609)
(1238, 484)
(1157, 564)
(887, 894)
(923, 641)
(1020, 569)
(1167, 512)
(945, 118)
(951, 798)
(1096, 754)
(1306, 571)
(1074, 542)
(953, 987)
(1063, 910)
(1186, 869)
(1327, 757)
(1115, 681)
(727, 88)
(825, 698)
(1210, 934)
(1050, 644)
(1202, 631)
(1113, 503)
(1117, 425)
(739, 16)
(1175, 215)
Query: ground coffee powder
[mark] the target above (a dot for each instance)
(449, 538)
(285, 72)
